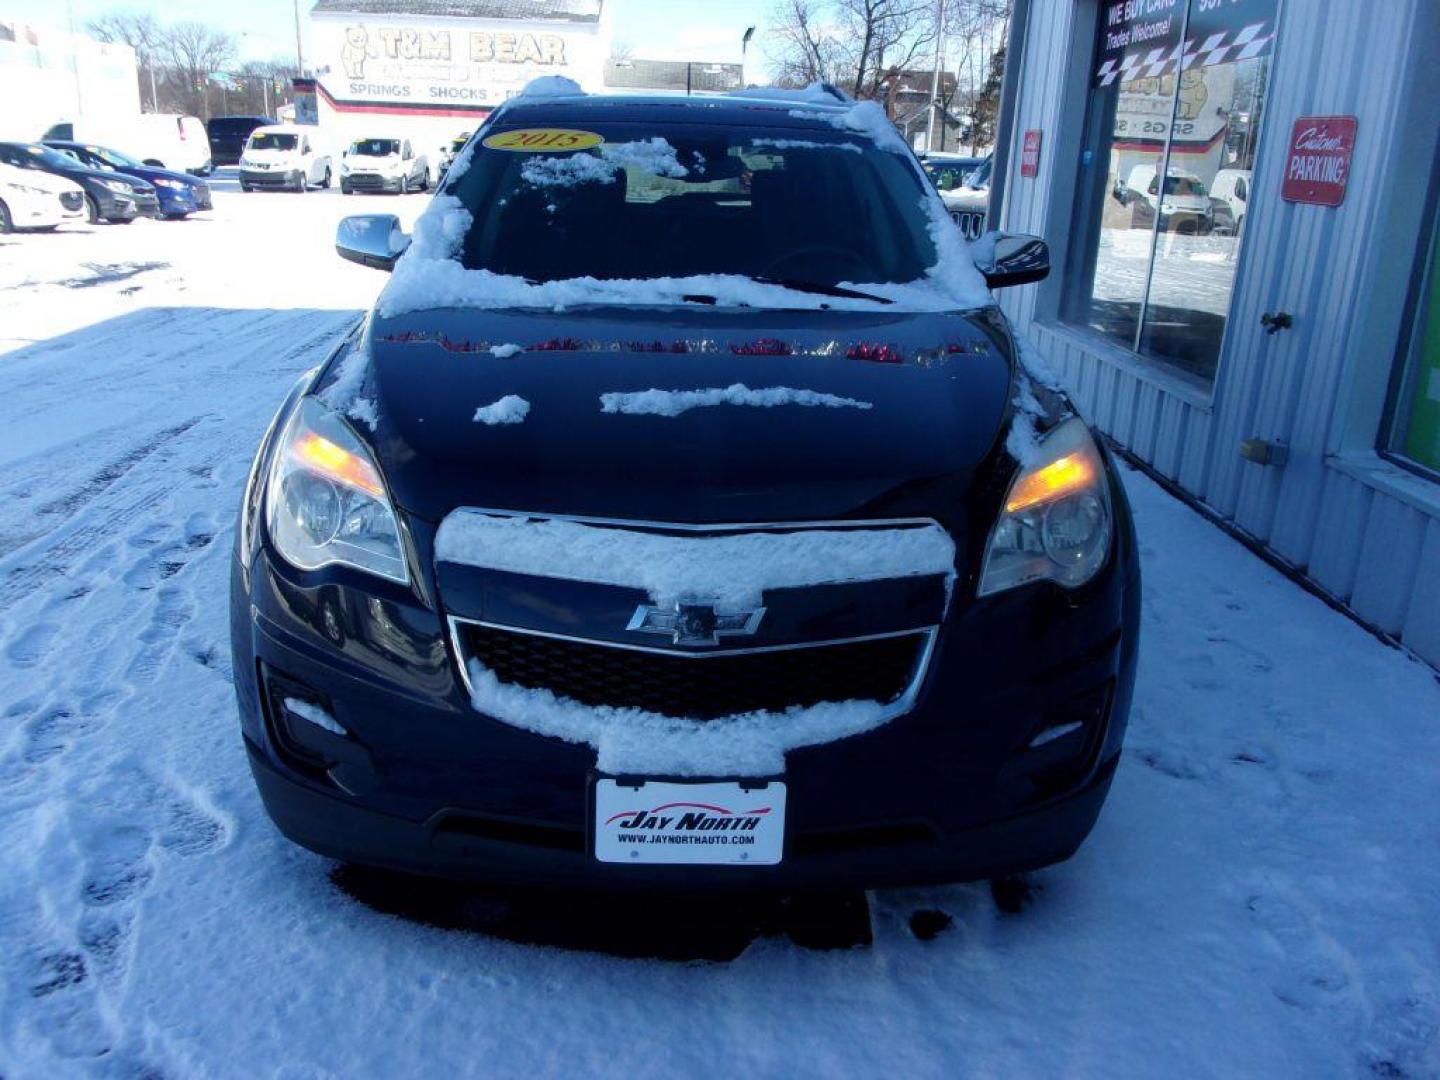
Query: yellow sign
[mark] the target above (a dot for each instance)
(543, 140)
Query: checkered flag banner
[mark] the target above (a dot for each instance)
(1223, 47)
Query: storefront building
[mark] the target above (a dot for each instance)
(1240, 198)
(430, 69)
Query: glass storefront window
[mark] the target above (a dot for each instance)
(1415, 430)
(1165, 181)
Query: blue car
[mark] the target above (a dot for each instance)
(683, 516)
(180, 194)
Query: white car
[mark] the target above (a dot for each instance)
(383, 164)
(171, 141)
(1185, 206)
(31, 199)
(284, 156)
(1232, 187)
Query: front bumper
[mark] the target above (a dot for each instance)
(116, 207)
(371, 182)
(952, 790)
(180, 201)
(276, 178)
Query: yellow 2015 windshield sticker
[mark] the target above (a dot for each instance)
(543, 140)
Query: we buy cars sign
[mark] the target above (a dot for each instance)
(1317, 163)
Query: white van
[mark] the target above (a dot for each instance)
(1184, 207)
(31, 199)
(384, 164)
(284, 156)
(165, 140)
(1232, 187)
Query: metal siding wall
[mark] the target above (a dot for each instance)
(1374, 551)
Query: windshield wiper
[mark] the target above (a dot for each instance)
(821, 289)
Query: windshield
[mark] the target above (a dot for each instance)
(1180, 185)
(111, 158)
(55, 159)
(815, 207)
(375, 147)
(272, 140)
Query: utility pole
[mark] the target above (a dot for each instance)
(299, 49)
(930, 146)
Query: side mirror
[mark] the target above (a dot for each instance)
(374, 240)
(1007, 259)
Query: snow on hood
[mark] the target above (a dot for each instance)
(732, 570)
(635, 741)
(510, 409)
(674, 402)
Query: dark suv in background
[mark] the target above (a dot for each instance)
(228, 134)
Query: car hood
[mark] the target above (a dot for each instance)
(81, 173)
(902, 409)
(46, 181)
(373, 161)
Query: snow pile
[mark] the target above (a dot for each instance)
(504, 352)
(510, 409)
(634, 741)
(316, 715)
(419, 285)
(865, 118)
(733, 570)
(654, 156)
(365, 410)
(954, 271)
(674, 402)
(548, 86)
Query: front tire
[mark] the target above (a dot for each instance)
(405, 185)
(300, 183)
(92, 210)
(7, 224)
(345, 189)
(325, 180)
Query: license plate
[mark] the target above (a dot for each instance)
(654, 821)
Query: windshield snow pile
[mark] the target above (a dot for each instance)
(635, 741)
(675, 402)
(731, 570)
(654, 156)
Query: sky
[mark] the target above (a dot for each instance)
(653, 29)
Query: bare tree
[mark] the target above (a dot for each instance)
(196, 52)
(859, 44)
(804, 45)
(143, 33)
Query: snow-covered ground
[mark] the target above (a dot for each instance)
(1261, 896)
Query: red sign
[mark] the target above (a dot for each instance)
(1030, 154)
(1318, 161)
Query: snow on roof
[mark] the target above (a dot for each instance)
(549, 86)
(731, 569)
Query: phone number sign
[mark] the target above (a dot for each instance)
(1317, 163)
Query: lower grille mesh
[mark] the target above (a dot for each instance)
(700, 689)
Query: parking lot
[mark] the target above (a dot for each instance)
(1258, 897)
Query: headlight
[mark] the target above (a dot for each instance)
(173, 185)
(118, 186)
(1056, 522)
(344, 168)
(326, 501)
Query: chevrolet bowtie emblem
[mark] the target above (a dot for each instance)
(695, 623)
